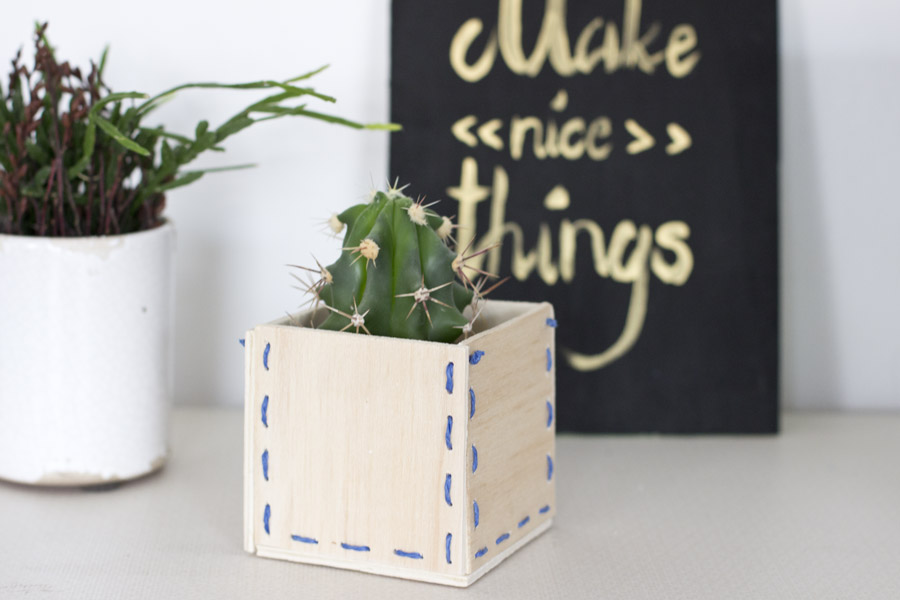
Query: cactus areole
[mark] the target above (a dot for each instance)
(396, 276)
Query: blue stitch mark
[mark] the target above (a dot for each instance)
(407, 554)
(549, 360)
(267, 514)
(346, 546)
(474, 458)
(266, 355)
(524, 521)
(549, 414)
(471, 403)
(265, 462)
(243, 342)
(476, 357)
(481, 552)
(447, 490)
(449, 429)
(475, 508)
(549, 468)
(449, 538)
(265, 411)
(305, 540)
(449, 378)
(551, 322)
(502, 538)
(544, 509)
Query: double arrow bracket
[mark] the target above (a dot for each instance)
(488, 134)
(643, 141)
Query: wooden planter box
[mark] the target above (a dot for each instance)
(413, 459)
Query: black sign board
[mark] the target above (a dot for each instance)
(625, 154)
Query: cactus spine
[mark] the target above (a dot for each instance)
(396, 275)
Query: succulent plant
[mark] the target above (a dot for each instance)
(76, 159)
(398, 275)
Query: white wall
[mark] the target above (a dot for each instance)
(840, 124)
(840, 205)
(237, 231)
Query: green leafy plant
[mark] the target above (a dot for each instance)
(398, 275)
(76, 158)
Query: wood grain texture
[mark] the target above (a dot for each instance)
(249, 448)
(510, 431)
(358, 452)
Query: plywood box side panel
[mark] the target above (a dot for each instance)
(249, 544)
(358, 448)
(511, 433)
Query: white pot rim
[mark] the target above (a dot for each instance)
(165, 224)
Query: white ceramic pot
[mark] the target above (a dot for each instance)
(86, 357)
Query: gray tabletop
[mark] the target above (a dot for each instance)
(812, 513)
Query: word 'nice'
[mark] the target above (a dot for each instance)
(629, 51)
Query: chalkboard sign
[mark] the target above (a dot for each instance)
(625, 154)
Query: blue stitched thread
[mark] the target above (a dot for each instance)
(265, 411)
(481, 552)
(476, 357)
(305, 540)
(474, 458)
(243, 342)
(549, 360)
(346, 546)
(524, 521)
(449, 429)
(447, 490)
(471, 403)
(551, 322)
(549, 414)
(449, 378)
(544, 509)
(502, 538)
(266, 355)
(449, 538)
(267, 514)
(475, 508)
(549, 468)
(407, 554)
(265, 461)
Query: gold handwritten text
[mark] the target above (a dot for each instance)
(630, 51)
(631, 255)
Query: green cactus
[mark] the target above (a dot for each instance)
(396, 275)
